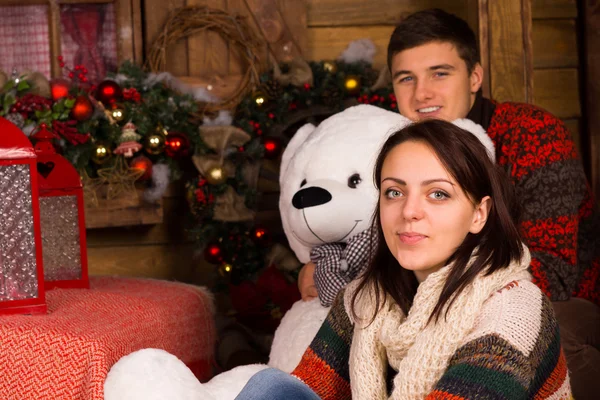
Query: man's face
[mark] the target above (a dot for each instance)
(432, 81)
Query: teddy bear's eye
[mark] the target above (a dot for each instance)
(303, 182)
(354, 180)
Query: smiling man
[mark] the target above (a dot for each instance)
(435, 65)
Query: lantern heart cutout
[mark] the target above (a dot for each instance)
(45, 168)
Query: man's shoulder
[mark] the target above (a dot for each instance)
(517, 112)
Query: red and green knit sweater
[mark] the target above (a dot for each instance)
(513, 352)
(560, 222)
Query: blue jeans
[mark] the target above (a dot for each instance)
(273, 384)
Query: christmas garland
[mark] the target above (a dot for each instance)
(238, 249)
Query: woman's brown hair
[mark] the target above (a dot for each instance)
(498, 243)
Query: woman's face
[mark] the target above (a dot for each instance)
(424, 213)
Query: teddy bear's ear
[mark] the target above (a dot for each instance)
(480, 133)
(297, 140)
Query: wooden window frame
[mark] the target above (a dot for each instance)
(128, 23)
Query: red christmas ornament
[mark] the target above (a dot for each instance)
(177, 145)
(142, 163)
(59, 88)
(272, 148)
(212, 253)
(82, 109)
(108, 92)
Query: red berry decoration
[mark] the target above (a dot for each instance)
(177, 145)
(272, 148)
(108, 92)
(82, 109)
(212, 253)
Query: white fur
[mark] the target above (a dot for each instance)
(324, 156)
(359, 50)
(480, 133)
(223, 118)
(160, 183)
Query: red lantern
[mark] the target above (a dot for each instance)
(108, 92)
(59, 88)
(177, 144)
(21, 263)
(62, 217)
(82, 109)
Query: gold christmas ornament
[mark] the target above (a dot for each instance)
(216, 176)
(118, 113)
(352, 83)
(155, 143)
(120, 179)
(259, 98)
(101, 154)
(225, 270)
(330, 67)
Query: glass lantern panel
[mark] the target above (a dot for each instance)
(18, 265)
(60, 238)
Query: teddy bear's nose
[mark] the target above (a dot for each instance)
(310, 197)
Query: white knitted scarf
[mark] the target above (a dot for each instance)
(420, 352)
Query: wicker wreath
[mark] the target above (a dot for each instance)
(187, 21)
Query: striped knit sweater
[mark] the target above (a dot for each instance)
(560, 221)
(513, 352)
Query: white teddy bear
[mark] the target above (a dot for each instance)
(332, 165)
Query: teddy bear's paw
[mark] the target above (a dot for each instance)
(227, 385)
(153, 374)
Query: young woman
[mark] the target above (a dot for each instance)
(446, 308)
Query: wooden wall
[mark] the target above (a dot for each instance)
(321, 29)
(556, 63)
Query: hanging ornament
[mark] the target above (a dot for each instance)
(128, 141)
(59, 88)
(101, 153)
(82, 109)
(155, 143)
(216, 175)
(330, 67)
(212, 253)
(261, 236)
(272, 147)
(142, 163)
(177, 144)
(225, 270)
(352, 84)
(108, 92)
(259, 98)
(118, 112)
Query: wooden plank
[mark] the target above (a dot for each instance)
(237, 65)
(208, 52)
(592, 41)
(554, 9)
(155, 14)
(54, 32)
(557, 90)
(574, 127)
(158, 262)
(328, 43)
(170, 231)
(271, 23)
(322, 13)
(124, 30)
(508, 71)
(294, 17)
(555, 43)
(484, 45)
(526, 21)
(138, 34)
